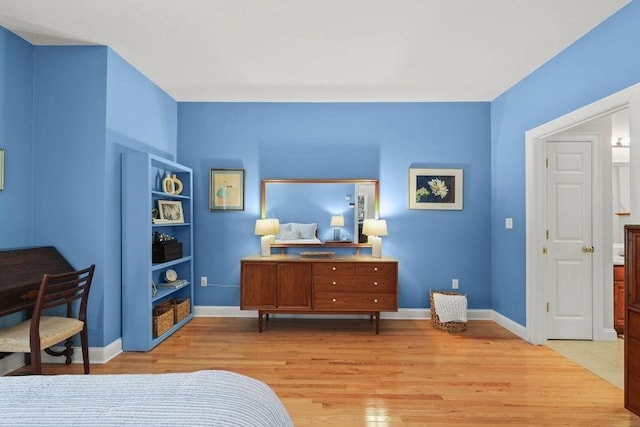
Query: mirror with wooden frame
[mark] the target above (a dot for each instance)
(316, 201)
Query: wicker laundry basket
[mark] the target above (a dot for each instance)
(453, 327)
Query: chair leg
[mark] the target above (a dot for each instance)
(85, 349)
(36, 360)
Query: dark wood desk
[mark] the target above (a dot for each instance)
(21, 272)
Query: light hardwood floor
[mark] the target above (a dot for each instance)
(338, 372)
(605, 359)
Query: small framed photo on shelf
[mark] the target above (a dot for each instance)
(226, 190)
(435, 189)
(170, 212)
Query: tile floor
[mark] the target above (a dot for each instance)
(605, 359)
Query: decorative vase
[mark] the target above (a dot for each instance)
(177, 184)
(168, 186)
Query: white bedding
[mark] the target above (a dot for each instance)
(203, 398)
(315, 241)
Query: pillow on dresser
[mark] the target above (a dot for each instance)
(307, 231)
(289, 235)
(283, 229)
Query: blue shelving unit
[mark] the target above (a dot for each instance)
(142, 175)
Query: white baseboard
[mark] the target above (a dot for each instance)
(97, 355)
(509, 325)
(401, 314)
(11, 363)
(609, 335)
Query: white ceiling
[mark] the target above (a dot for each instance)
(318, 50)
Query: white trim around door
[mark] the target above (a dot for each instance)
(535, 212)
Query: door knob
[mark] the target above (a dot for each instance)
(588, 249)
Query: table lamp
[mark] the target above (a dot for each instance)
(276, 225)
(337, 221)
(375, 229)
(265, 228)
(365, 228)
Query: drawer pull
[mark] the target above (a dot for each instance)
(333, 283)
(334, 300)
(375, 283)
(375, 268)
(375, 300)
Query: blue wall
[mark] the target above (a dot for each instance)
(69, 172)
(16, 126)
(346, 140)
(603, 62)
(73, 110)
(139, 117)
(67, 113)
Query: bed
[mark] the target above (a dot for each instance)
(202, 398)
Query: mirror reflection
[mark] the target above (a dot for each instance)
(321, 202)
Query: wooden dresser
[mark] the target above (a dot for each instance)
(357, 284)
(618, 298)
(632, 319)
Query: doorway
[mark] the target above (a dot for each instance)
(569, 234)
(537, 262)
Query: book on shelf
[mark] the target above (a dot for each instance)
(174, 285)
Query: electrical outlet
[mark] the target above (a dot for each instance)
(454, 284)
(203, 281)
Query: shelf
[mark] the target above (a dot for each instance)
(172, 224)
(164, 292)
(141, 181)
(160, 266)
(169, 196)
(174, 328)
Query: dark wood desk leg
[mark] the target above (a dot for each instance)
(260, 321)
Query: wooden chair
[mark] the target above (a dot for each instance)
(43, 331)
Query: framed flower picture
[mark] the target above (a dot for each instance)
(435, 189)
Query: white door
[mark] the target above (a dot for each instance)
(570, 232)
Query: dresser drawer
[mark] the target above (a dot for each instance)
(376, 268)
(354, 301)
(334, 268)
(383, 284)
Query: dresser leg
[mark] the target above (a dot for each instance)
(377, 323)
(260, 321)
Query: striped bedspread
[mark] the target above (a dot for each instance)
(203, 398)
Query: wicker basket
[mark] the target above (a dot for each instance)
(452, 327)
(181, 308)
(162, 320)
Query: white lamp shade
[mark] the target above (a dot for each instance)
(265, 227)
(365, 226)
(377, 227)
(337, 221)
(276, 225)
